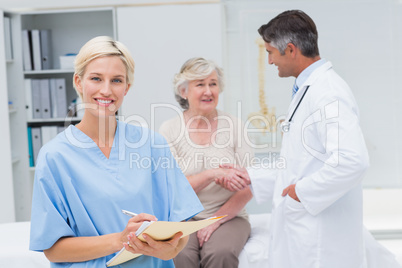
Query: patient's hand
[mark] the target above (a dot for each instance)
(234, 179)
(204, 234)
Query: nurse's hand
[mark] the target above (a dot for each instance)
(133, 224)
(164, 250)
(291, 191)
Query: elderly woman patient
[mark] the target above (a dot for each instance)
(201, 139)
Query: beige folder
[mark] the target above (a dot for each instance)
(162, 230)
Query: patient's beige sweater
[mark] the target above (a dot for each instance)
(229, 146)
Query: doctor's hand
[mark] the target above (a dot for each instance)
(234, 179)
(291, 191)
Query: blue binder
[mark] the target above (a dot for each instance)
(30, 148)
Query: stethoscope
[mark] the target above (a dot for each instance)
(285, 126)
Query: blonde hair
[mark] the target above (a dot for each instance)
(102, 46)
(194, 69)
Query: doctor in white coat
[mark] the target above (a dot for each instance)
(317, 197)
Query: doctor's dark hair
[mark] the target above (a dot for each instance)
(102, 46)
(292, 26)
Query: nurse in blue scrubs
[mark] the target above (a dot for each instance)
(91, 171)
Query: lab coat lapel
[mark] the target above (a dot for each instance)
(310, 81)
(317, 73)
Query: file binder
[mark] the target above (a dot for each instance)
(36, 98)
(36, 55)
(36, 142)
(53, 97)
(8, 38)
(45, 99)
(28, 98)
(30, 149)
(60, 129)
(48, 133)
(45, 51)
(58, 97)
(61, 97)
(27, 49)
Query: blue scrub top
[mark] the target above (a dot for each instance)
(80, 192)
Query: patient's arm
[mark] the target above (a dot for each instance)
(239, 181)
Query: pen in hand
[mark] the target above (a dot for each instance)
(129, 213)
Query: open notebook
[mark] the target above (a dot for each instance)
(161, 230)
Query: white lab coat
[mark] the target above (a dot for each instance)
(325, 155)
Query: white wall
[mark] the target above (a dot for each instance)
(161, 39)
(23, 5)
(361, 38)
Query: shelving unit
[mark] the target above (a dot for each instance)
(16, 127)
(70, 29)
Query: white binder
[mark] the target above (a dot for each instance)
(48, 133)
(7, 38)
(27, 49)
(36, 54)
(36, 98)
(60, 129)
(28, 98)
(45, 45)
(45, 99)
(58, 97)
(53, 97)
(61, 97)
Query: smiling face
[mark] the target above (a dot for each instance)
(103, 86)
(283, 62)
(203, 95)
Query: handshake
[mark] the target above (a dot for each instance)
(232, 178)
(237, 178)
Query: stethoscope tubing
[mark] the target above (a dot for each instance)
(297, 106)
(286, 125)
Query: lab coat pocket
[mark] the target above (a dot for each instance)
(302, 232)
(293, 203)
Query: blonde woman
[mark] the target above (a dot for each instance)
(84, 177)
(201, 139)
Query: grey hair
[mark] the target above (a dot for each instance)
(292, 26)
(194, 69)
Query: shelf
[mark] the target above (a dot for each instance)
(12, 111)
(70, 29)
(54, 120)
(15, 159)
(54, 71)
